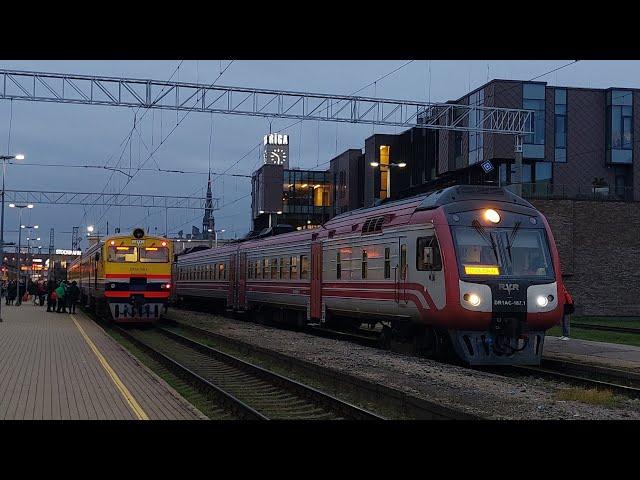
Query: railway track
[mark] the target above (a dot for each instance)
(605, 328)
(246, 390)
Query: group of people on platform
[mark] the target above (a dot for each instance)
(60, 297)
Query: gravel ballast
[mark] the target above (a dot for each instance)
(479, 393)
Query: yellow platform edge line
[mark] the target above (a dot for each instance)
(124, 391)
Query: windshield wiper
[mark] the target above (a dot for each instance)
(511, 237)
(483, 233)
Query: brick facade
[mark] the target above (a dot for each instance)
(599, 248)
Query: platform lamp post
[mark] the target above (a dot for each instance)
(279, 212)
(215, 235)
(4, 159)
(389, 166)
(20, 207)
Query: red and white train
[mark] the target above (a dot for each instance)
(475, 268)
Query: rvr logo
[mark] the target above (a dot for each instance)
(509, 287)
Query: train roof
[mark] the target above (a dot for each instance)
(384, 215)
(464, 193)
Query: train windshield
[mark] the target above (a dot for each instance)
(154, 255)
(502, 252)
(122, 254)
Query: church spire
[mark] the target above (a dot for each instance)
(208, 222)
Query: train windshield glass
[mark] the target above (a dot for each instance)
(122, 254)
(502, 252)
(154, 255)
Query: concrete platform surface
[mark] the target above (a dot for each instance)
(612, 355)
(56, 366)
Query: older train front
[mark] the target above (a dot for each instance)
(137, 279)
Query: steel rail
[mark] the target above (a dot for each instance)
(225, 398)
(344, 408)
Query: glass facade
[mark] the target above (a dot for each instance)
(560, 125)
(476, 139)
(620, 126)
(306, 197)
(533, 98)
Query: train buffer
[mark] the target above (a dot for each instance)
(56, 366)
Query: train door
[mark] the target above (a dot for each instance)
(402, 273)
(242, 282)
(231, 290)
(316, 280)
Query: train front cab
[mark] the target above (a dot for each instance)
(503, 281)
(137, 278)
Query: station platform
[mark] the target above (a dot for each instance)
(610, 355)
(56, 366)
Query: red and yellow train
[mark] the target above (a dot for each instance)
(131, 274)
(475, 268)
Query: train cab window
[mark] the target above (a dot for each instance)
(274, 268)
(428, 254)
(122, 254)
(304, 267)
(403, 261)
(294, 268)
(364, 264)
(154, 255)
(249, 270)
(258, 272)
(338, 266)
(265, 269)
(281, 267)
(222, 274)
(387, 262)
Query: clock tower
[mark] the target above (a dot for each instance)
(276, 149)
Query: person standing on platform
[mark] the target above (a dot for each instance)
(61, 293)
(11, 292)
(73, 294)
(42, 293)
(566, 317)
(51, 301)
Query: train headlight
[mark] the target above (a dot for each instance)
(472, 298)
(542, 301)
(491, 215)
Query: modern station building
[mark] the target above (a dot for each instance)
(582, 147)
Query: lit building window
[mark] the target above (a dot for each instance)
(385, 151)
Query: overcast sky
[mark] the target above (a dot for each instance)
(67, 134)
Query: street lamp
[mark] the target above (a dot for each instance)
(4, 159)
(279, 212)
(389, 166)
(20, 207)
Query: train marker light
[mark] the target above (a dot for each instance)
(164, 244)
(481, 270)
(472, 298)
(542, 301)
(491, 215)
(113, 242)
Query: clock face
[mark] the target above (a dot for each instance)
(278, 156)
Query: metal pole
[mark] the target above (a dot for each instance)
(18, 298)
(4, 163)
(215, 234)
